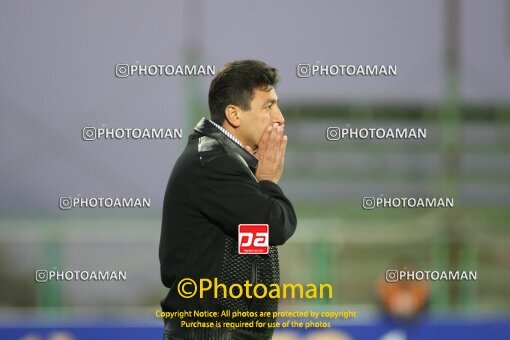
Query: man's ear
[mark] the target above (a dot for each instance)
(232, 115)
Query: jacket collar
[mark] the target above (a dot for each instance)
(207, 128)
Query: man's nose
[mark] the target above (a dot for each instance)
(278, 117)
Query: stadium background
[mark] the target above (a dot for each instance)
(57, 76)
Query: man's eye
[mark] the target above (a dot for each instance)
(269, 106)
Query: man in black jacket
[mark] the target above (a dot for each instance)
(227, 175)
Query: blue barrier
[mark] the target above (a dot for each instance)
(430, 328)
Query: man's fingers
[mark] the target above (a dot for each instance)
(270, 148)
(271, 142)
(283, 146)
(279, 138)
(276, 139)
(271, 153)
(264, 140)
(277, 142)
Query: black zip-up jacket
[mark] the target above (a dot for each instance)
(213, 189)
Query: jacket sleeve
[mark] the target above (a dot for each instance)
(229, 195)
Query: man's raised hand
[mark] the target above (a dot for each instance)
(270, 154)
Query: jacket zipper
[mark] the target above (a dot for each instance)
(254, 269)
(254, 278)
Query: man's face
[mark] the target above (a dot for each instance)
(263, 111)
